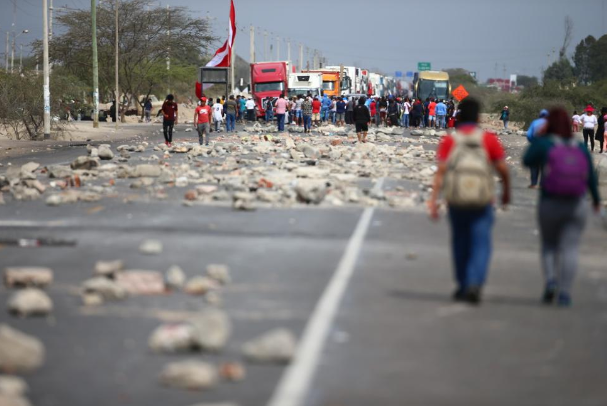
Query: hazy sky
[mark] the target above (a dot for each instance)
(388, 35)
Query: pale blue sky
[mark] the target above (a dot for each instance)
(388, 35)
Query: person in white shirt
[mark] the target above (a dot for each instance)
(250, 105)
(218, 114)
(576, 120)
(406, 111)
(589, 121)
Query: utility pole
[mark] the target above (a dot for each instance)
(265, 46)
(278, 48)
(46, 87)
(8, 39)
(95, 64)
(20, 58)
(289, 50)
(50, 26)
(252, 46)
(301, 57)
(118, 103)
(169, 49)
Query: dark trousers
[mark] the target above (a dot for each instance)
(589, 134)
(536, 172)
(471, 244)
(349, 119)
(167, 126)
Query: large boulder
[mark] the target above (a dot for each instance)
(19, 352)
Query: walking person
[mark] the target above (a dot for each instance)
(537, 128)
(281, 110)
(147, 110)
(562, 209)
(362, 118)
(218, 114)
(340, 112)
(383, 111)
(306, 109)
(269, 107)
(600, 129)
(576, 120)
(242, 104)
(505, 116)
(418, 113)
(589, 121)
(231, 108)
(316, 107)
(432, 114)
(373, 111)
(406, 113)
(202, 121)
(467, 162)
(350, 111)
(326, 106)
(169, 113)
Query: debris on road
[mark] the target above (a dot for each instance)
(30, 302)
(200, 285)
(151, 247)
(140, 282)
(220, 273)
(275, 346)
(109, 269)
(211, 329)
(190, 374)
(19, 352)
(232, 371)
(174, 278)
(28, 276)
(104, 287)
(172, 338)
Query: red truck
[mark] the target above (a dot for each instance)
(268, 80)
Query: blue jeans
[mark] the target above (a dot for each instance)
(505, 124)
(324, 114)
(269, 115)
(440, 121)
(405, 120)
(332, 116)
(536, 172)
(471, 244)
(280, 118)
(230, 122)
(307, 122)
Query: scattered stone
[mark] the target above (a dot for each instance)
(59, 171)
(12, 386)
(311, 191)
(105, 152)
(232, 371)
(213, 298)
(221, 273)
(170, 338)
(174, 277)
(109, 269)
(106, 288)
(28, 276)
(19, 352)
(189, 374)
(30, 302)
(191, 195)
(84, 162)
(276, 346)
(138, 282)
(147, 171)
(199, 285)
(211, 329)
(151, 247)
(7, 400)
(92, 299)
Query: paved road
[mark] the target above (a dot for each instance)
(395, 338)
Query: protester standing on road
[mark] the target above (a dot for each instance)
(562, 210)
(432, 113)
(242, 104)
(383, 111)
(589, 121)
(418, 113)
(306, 108)
(202, 121)
(406, 113)
(340, 111)
(350, 111)
(281, 110)
(393, 112)
(231, 108)
(218, 114)
(441, 114)
(576, 120)
(600, 130)
(316, 108)
(147, 109)
(250, 105)
(362, 118)
(169, 112)
(467, 162)
(505, 116)
(537, 129)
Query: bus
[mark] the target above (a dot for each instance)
(432, 84)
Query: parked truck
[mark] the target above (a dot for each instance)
(331, 84)
(268, 80)
(303, 83)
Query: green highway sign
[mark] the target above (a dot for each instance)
(422, 66)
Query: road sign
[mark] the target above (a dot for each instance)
(422, 66)
(409, 74)
(460, 93)
(398, 74)
(473, 74)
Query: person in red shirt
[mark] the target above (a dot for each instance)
(373, 108)
(316, 106)
(432, 113)
(169, 112)
(470, 224)
(202, 120)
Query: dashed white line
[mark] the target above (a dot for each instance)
(295, 382)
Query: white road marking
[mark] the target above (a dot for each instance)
(27, 223)
(295, 382)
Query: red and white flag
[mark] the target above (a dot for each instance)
(223, 56)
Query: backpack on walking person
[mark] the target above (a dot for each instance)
(469, 177)
(566, 170)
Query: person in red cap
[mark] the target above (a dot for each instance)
(589, 121)
(202, 121)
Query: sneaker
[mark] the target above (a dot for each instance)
(459, 295)
(473, 295)
(549, 293)
(563, 300)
